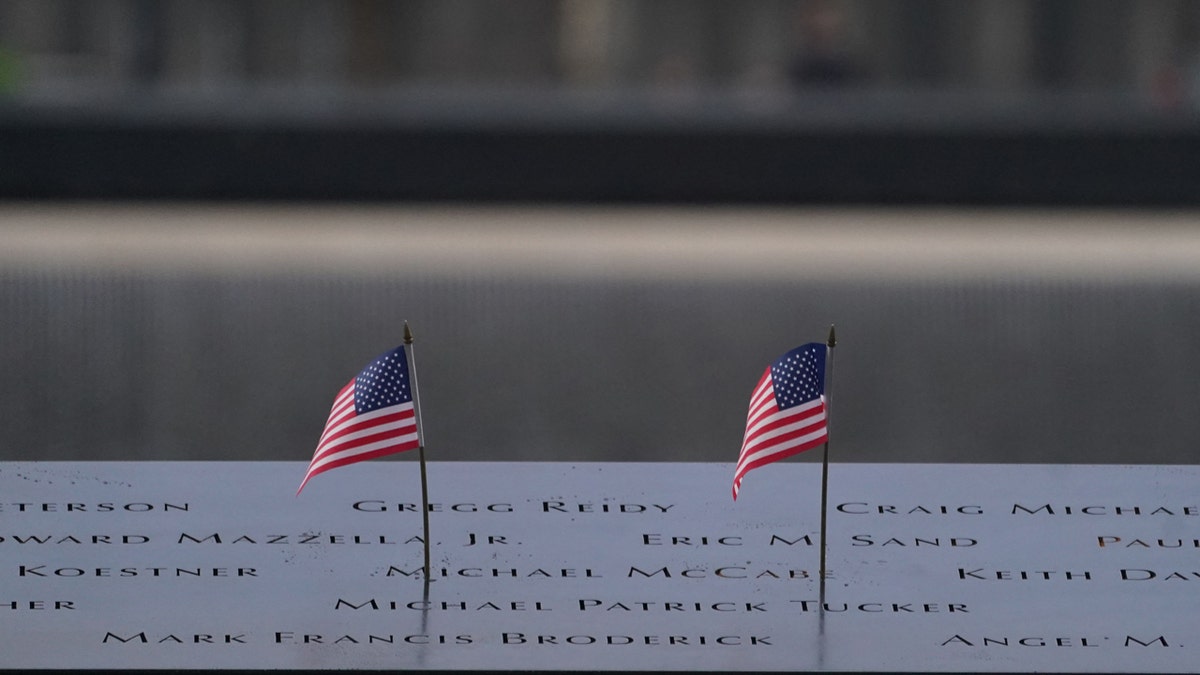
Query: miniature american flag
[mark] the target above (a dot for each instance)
(372, 416)
(787, 410)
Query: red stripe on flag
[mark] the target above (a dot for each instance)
(766, 439)
(350, 438)
(351, 459)
(340, 438)
(808, 419)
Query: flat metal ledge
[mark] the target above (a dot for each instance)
(1063, 568)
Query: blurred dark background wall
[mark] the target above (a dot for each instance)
(979, 102)
(68, 48)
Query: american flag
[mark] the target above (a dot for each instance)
(372, 416)
(787, 410)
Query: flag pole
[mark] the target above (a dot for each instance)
(412, 368)
(831, 343)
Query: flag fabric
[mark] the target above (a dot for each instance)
(787, 410)
(372, 416)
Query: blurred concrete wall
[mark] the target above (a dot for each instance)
(190, 332)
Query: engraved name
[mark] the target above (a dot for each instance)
(1096, 510)
(114, 572)
(496, 573)
(74, 539)
(1110, 541)
(309, 539)
(82, 507)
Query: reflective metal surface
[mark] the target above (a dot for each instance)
(546, 566)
